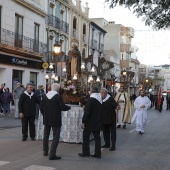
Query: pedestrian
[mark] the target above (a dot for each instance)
(6, 98)
(142, 104)
(27, 110)
(156, 101)
(168, 101)
(108, 119)
(150, 95)
(39, 93)
(124, 114)
(51, 107)
(2, 89)
(92, 122)
(160, 104)
(18, 90)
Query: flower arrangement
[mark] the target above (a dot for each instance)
(68, 87)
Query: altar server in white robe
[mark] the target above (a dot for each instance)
(141, 104)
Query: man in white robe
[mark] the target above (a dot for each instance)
(141, 104)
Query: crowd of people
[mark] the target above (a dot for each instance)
(102, 112)
(8, 98)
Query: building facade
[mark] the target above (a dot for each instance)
(118, 47)
(22, 42)
(96, 42)
(57, 31)
(79, 26)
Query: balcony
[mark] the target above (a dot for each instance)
(55, 22)
(101, 47)
(21, 42)
(75, 33)
(94, 44)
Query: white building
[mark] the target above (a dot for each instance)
(96, 42)
(22, 46)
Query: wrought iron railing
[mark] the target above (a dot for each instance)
(57, 23)
(17, 40)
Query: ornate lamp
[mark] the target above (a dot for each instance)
(124, 72)
(93, 70)
(57, 48)
(83, 66)
(98, 79)
(56, 78)
(51, 66)
(75, 77)
(47, 77)
(64, 70)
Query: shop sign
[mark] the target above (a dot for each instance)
(19, 61)
(22, 62)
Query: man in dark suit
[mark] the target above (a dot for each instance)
(151, 99)
(109, 119)
(161, 104)
(92, 122)
(27, 110)
(168, 101)
(51, 107)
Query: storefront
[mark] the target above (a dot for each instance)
(15, 69)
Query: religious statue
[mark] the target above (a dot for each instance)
(75, 61)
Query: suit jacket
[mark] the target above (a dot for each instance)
(108, 111)
(92, 117)
(51, 110)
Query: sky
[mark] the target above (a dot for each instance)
(154, 46)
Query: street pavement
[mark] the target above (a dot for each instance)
(150, 151)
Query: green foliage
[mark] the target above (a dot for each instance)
(155, 13)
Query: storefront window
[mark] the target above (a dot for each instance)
(16, 77)
(33, 78)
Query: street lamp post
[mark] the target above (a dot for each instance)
(52, 76)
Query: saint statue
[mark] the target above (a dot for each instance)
(75, 61)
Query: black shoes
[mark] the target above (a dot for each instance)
(55, 157)
(124, 126)
(24, 139)
(105, 146)
(140, 133)
(112, 148)
(118, 126)
(45, 153)
(83, 155)
(96, 156)
(33, 139)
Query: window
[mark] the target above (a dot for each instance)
(74, 23)
(74, 27)
(18, 30)
(51, 9)
(33, 78)
(62, 15)
(36, 37)
(83, 53)
(84, 29)
(16, 77)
